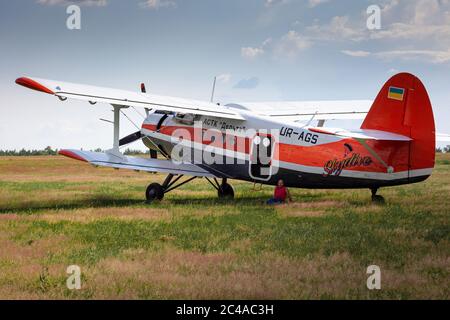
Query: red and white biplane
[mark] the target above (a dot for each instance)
(266, 142)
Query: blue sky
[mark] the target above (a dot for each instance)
(260, 49)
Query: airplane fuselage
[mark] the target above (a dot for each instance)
(301, 157)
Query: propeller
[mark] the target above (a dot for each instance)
(130, 138)
(136, 136)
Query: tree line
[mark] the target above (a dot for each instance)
(49, 151)
(443, 150)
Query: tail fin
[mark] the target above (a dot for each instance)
(403, 107)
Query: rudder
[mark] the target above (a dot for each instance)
(403, 107)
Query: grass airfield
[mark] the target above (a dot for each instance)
(56, 212)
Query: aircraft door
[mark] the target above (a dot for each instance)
(261, 153)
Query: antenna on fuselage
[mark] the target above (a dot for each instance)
(213, 89)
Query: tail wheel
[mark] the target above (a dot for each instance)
(377, 198)
(154, 192)
(225, 191)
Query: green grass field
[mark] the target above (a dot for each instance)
(56, 212)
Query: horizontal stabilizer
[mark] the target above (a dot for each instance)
(362, 134)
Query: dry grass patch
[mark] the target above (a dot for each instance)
(94, 214)
(32, 249)
(192, 275)
(418, 279)
(201, 213)
(62, 169)
(370, 208)
(307, 209)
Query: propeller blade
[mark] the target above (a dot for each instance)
(130, 138)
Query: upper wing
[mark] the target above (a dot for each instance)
(93, 94)
(322, 110)
(104, 159)
(307, 110)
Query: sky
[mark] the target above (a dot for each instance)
(260, 50)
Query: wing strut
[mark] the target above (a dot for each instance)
(116, 140)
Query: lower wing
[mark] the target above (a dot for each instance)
(105, 159)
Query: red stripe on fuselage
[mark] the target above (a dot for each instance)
(393, 153)
(241, 144)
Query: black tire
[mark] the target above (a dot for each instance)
(378, 199)
(225, 191)
(154, 192)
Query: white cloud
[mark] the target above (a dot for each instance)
(157, 4)
(404, 31)
(357, 53)
(314, 3)
(417, 12)
(416, 20)
(433, 56)
(251, 53)
(338, 29)
(291, 44)
(311, 3)
(411, 30)
(421, 29)
(270, 3)
(224, 78)
(267, 42)
(151, 4)
(250, 83)
(401, 19)
(416, 30)
(87, 3)
(393, 71)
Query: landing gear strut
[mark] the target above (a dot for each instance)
(156, 191)
(376, 198)
(224, 189)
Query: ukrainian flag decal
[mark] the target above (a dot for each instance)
(396, 93)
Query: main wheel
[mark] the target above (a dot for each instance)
(225, 191)
(154, 192)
